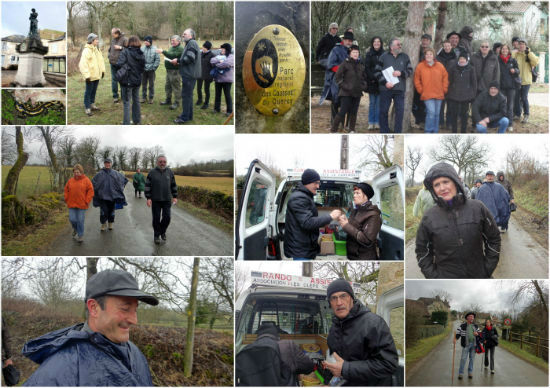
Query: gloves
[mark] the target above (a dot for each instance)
(88, 80)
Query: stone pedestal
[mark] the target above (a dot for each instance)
(30, 72)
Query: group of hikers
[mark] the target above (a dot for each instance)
(302, 222)
(106, 191)
(493, 83)
(475, 340)
(133, 65)
(459, 234)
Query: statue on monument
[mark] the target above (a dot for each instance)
(33, 32)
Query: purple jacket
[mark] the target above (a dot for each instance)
(228, 64)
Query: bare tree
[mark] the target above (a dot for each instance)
(462, 151)
(135, 157)
(240, 281)
(219, 274)
(87, 151)
(190, 335)
(11, 270)
(121, 153)
(441, 16)
(376, 152)
(10, 184)
(9, 149)
(414, 157)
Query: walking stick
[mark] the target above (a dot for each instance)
(228, 119)
(453, 367)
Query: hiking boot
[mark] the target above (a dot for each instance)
(470, 376)
(492, 371)
(199, 102)
(163, 236)
(143, 100)
(525, 119)
(157, 240)
(150, 101)
(110, 226)
(352, 122)
(205, 106)
(88, 112)
(174, 106)
(460, 377)
(74, 232)
(335, 124)
(94, 107)
(517, 118)
(80, 240)
(103, 227)
(166, 102)
(510, 129)
(116, 100)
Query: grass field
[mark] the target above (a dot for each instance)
(153, 114)
(513, 347)
(32, 180)
(223, 184)
(424, 346)
(411, 222)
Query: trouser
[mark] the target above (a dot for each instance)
(458, 109)
(114, 82)
(106, 211)
(137, 191)
(386, 97)
(444, 117)
(374, 108)
(348, 106)
(173, 85)
(161, 216)
(502, 125)
(89, 93)
(127, 95)
(206, 83)
(432, 115)
(76, 218)
(418, 109)
(468, 350)
(148, 77)
(226, 88)
(491, 357)
(187, 86)
(334, 107)
(524, 101)
(510, 98)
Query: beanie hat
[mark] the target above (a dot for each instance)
(149, 39)
(451, 34)
(426, 36)
(497, 45)
(310, 176)
(340, 285)
(493, 84)
(490, 172)
(227, 48)
(91, 37)
(478, 181)
(207, 45)
(365, 188)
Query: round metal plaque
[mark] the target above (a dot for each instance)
(274, 70)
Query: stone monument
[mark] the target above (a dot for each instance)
(31, 54)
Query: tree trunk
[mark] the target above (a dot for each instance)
(91, 266)
(398, 149)
(191, 312)
(413, 31)
(441, 18)
(13, 175)
(307, 269)
(47, 135)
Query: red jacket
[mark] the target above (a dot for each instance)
(431, 81)
(79, 192)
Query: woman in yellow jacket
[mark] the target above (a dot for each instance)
(526, 61)
(92, 68)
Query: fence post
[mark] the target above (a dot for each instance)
(521, 340)
(538, 345)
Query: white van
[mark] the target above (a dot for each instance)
(260, 224)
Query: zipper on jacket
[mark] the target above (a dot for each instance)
(455, 217)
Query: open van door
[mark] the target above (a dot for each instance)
(255, 205)
(389, 188)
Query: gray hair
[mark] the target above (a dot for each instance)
(161, 156)
(392, 40)
(331, 25)
(191, 31)
(176, 37)
(91, 37)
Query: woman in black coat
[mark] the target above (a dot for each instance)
(371, 59)
(131, 65)
(490, 339)
(510, 80)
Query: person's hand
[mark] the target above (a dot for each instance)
(8, 362)
(512, 201)
(159, 51)
(174, 201)
(149, 203)
(389, 85)
(396, 73)
(512, 71)
(336, 367)
(476, 333)
(88, 80)
(102, 75)
(335, 214)
(118, 47)
(343, 220)
(174, 61)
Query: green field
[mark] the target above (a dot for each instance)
(425, 346)
(153, 114)
(223, 184)
(32, 180)
(513, 347)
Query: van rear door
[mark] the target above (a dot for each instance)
(389, 188)
(255, 205)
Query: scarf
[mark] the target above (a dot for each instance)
(505, 59)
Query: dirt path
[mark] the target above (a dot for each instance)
(521, 257)
(133, 235)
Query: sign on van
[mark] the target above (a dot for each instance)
(326, 173)
(293, 281)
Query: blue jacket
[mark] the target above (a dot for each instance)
(330, 88)
(73, 357)
(497, 200)
(109, 186)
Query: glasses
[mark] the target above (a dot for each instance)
(343, 297)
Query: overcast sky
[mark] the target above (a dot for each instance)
(180, 144)
(15, 16)
(535, 144)
(296, 151)
(492, 295)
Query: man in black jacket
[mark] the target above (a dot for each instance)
(467, 332)
(302, 221)
(458, 238)
(489, 110)
(326, 44)
(161, 192)
(359, 340)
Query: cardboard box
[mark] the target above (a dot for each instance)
(327, 247)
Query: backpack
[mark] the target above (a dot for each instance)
(260, 364)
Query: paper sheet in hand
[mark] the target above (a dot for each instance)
(168, 59)
(388, 75)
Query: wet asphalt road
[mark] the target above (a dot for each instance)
(435, 369)
(132, 235)
(521, 257)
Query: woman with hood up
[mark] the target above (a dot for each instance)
(131, 65)
(458, 238)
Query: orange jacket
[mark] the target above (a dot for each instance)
(431, 81)
(79, 192)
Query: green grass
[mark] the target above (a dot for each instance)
(32, 180)
(425, 346)
(513, 347)
(223, 184)
(153, 114)
(411, 222)
(538, 88)
(535, 201)
(208, 216)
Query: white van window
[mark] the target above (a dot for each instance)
(256, 205)
(334, 195)
(391, 203)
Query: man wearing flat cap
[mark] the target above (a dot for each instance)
(467, 332)
(302, 221)
(97, 352)
(359, 340)
(109, 191)
(495, 197)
